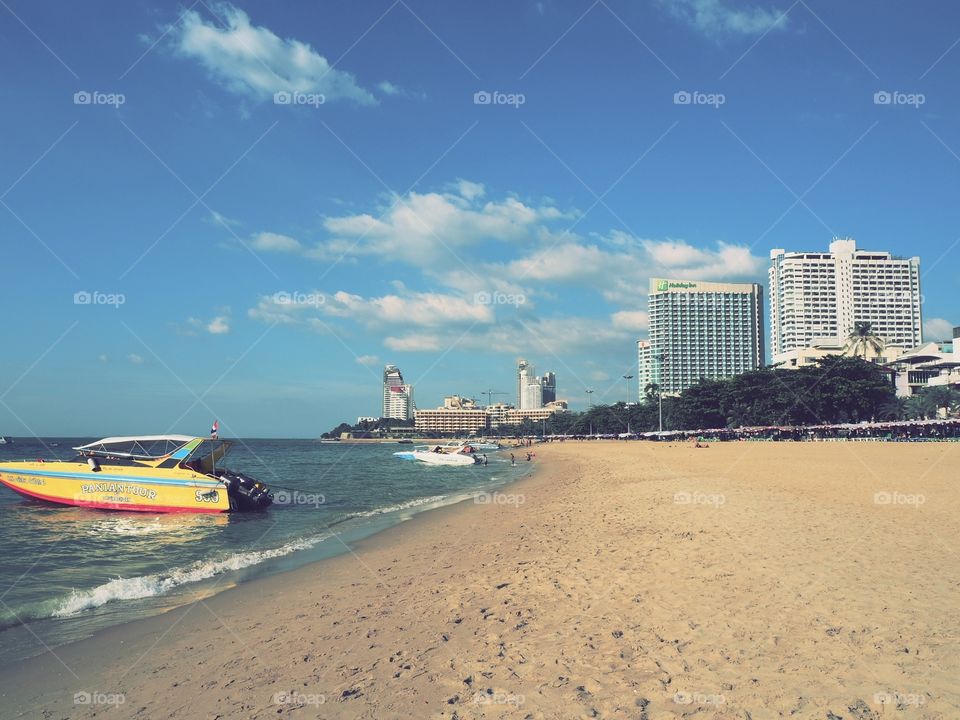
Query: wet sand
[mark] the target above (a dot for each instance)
(621, 580)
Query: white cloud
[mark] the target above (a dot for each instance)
(432, 228)
(368, 360)
(468, 243)
(471, 190)
(635, 320)
(194, 326)
(103, 358)
(220, 325)
(394, 311)
(937, 329)
(620, 267)
(715, 19)
(388, 88)
(252, 60)
(135, 359)
(222, 220)
(417, 342)
(274, 242)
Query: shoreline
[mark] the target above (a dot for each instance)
(633, 580)
(348, 531)
(58, 662)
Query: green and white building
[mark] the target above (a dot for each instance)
(700, 330)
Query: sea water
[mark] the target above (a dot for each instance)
(67, 572)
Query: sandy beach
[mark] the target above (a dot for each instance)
(620, 580)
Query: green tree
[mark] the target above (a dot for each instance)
(337, 431)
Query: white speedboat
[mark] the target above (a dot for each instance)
(486, 446)
(450, 454)
(3, 440)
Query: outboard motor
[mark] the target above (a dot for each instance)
(246, 494)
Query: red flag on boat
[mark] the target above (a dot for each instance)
(215, 430)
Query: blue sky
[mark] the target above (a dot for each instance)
(266, 202)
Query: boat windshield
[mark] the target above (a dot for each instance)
(134, 448)
(206, 455)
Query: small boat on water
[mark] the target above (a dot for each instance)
(151, 473)
(450, 454)
(486, 446)
(3, 440)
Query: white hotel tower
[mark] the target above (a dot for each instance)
(816, 298)
(397, 396)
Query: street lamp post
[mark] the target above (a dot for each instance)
(661, 357)
(589, 398)
(628, 378)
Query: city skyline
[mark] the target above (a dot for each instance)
(201, 227)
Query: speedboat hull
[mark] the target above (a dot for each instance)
(435, 458)
(122, 474)
(133, 490)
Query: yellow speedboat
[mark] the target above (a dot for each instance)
(152, 473)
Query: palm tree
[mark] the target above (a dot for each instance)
(896, 409)
(944, 398)
(863, 339)
(921, 406)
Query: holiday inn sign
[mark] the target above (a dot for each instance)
(665, 285)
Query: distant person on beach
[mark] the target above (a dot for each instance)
(529, 455)
(513, 460)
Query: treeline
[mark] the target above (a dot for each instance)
(368, 428)
(836, 390)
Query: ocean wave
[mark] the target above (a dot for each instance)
(417, 502)
(145, 586)
(154, 585)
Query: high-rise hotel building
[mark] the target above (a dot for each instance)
(529, 387)
(700, 330)
(397, 396)
(816, 298)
